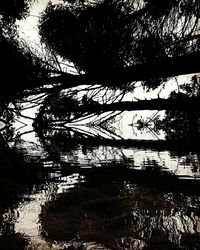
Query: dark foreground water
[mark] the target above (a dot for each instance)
(60, 190)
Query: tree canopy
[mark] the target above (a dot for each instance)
(113, 35)
(113, 44)
(10, 10)
(20, 67)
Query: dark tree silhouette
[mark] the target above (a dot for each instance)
(116, 36)
(114, 42)
(10, 10)
(20, 68)
(92, 41)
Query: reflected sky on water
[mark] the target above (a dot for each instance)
(152, 211)
(124, 128)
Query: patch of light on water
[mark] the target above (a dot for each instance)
(171, 219)
(28, 219)
(143, 158)
(137, 159)
(2, 125)
(123, 127)
(175, 225)
(31, 149)
(28, 215)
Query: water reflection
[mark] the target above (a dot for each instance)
(28, 220)
(59, 147)
(76, 189)
(114, 209)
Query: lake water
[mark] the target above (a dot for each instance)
(129, 189)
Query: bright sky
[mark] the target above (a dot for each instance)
(28, 27)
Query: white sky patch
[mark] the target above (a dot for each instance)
(28, 27)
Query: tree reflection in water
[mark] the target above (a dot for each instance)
(118, 207)
(132, 196)
(117, 210)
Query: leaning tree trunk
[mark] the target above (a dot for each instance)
(173, 66)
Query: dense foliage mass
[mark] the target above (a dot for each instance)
(10, 10)
(116, 34)
(20, 68)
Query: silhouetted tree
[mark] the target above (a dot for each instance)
(116, 35)
(114, 42)
(20, 68)
(10, 10)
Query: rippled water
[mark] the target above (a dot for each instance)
(121, 196)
